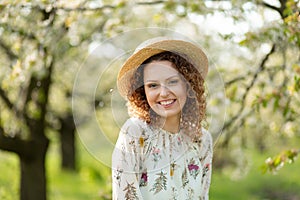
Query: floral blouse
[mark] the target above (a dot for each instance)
(149, 163)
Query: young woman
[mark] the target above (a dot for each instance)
(162, 150)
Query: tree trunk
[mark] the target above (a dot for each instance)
(67, 139)
(33, 173)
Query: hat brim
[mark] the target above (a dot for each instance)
(187, 50)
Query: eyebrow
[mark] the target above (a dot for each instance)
(176, 75)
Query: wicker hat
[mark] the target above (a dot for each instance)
(191, 52)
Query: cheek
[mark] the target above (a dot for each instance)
(150, 96)
(182, 94)
(182, 100)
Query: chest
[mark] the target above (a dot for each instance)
(171, 171)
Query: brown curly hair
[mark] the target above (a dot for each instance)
(191, 118)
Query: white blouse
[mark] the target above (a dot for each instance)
(149, 163)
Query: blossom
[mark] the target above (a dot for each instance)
(207, 166)
(156, 150)
(193, 167)
(144, 176)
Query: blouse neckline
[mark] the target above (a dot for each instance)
(169, 133)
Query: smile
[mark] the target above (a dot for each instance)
(167, 102)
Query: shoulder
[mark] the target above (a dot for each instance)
(134, 127)
(206, 137)
(204, 145)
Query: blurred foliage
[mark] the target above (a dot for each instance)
(277, 162)
(93, 180)
(258, 59)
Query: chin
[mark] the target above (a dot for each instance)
(167, 114)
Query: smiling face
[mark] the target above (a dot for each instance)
(165, 89)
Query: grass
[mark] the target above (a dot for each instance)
(92, 181)
(257, 186)
(9, 172)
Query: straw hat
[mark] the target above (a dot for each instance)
(187, 50)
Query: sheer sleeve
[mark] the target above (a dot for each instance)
(206, 160)
(125, 163)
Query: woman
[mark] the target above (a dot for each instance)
(162, 150)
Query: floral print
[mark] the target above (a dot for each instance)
(130, 192)
(193, 168)
(118, 176)
(190, 194)
(144, 179)
(150, 163)
(160, 183)
(174, 194)
(184, 178)
(156, 154)
(206, 169)
(172, 168)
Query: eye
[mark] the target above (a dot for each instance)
(173, 82)
(152, 85)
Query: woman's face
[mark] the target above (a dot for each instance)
(165, 89)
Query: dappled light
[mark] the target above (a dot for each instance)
(60, 110)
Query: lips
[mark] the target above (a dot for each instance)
(166, 103)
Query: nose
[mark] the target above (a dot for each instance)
(164, 91)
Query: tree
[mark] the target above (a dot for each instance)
(263, 82)
(23, 129)
(34, 41)
(31, 150)
(271, 93)
(40, 39)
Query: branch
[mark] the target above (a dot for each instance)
(25, 95)
(271, 7)
(23, 33)
(283, 6)
(280, 9)
(277, 162)
(5, 99)
(11, 55)
(81, 7)
(260, 69)
(234, 80)
(44, 88)
(47, 80)
(67, 9)
(235, 128)
(18, 112)
(150, 2)
(254, 79)
(15, 145)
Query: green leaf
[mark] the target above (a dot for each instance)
(277, 161)
(264, 103)
(286, 110)
(276, 103)
(297, 83)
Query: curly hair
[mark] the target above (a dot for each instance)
(193, 112)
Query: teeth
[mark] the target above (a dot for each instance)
(164, 103)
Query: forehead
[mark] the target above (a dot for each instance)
(158, 70)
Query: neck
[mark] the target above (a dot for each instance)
(171, 124)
